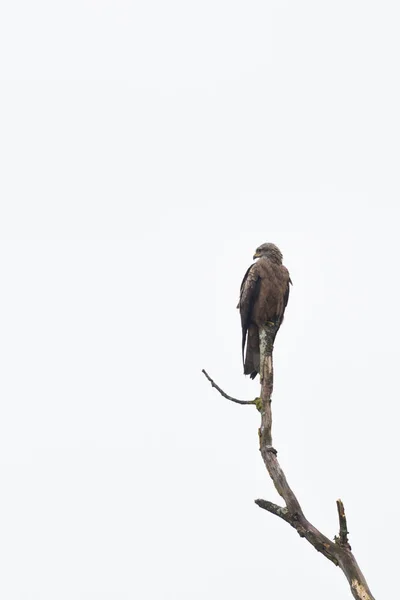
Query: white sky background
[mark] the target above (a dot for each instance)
(147, 148)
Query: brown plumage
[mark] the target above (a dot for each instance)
(264, 294)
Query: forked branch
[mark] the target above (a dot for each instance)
(337, 551)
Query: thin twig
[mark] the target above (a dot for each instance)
(214, 385)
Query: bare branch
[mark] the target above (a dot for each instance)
(304, 529)
(337, 551)
(214, 385)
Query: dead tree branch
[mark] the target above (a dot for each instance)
(337, 551)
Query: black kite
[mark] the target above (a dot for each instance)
(264, 294)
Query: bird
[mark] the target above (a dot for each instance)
(264, 294)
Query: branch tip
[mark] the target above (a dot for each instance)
(280, 511)
(343, 539)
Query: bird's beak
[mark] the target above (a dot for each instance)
(256, 256)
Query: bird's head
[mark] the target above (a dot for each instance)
(269, 251)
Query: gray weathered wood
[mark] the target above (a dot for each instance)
(337, 551)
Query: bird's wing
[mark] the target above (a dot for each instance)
(242, 284)
(248, 294)
(286, 297)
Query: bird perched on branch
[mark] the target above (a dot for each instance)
(264, 294)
